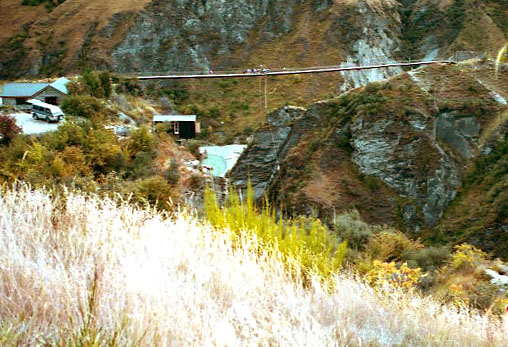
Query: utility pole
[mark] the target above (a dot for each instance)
(266, 94)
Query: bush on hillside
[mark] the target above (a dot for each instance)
(155, 191)
(172, 173)
(8, 128)
(387, 276)
(50, 4)
(130, 87)
(141, 140)
(105, 82)
(390, 245)
(429, 259)
(193, 147)
(92, 83)
(349, 227)
(83, 106)
(467, 257)
(75, 148)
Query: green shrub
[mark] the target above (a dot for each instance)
(172, 173)
(105, 82)
(141, 140)
(429, 259)
(130, 87)
(349, 227)
(90, 79)
(142, 165)
(16, 41)
(193, 147)
(196, 181)
(390, 245)
(50, 4)
(156, 191)
(83, 106)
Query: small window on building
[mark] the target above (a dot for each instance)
(20, 101)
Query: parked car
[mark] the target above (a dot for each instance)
(47, 112)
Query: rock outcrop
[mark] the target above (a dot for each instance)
(261, 161)
(411, 141)
(184, 34)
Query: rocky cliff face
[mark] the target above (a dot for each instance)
(407, 141)
(377, 42)
(156, 35)
(185, 34)
(260, 162)
(181, 35)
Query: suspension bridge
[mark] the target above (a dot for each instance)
(267, 72)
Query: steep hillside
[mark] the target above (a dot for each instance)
(156, 35)
(400, 152)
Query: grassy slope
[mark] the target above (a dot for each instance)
(13, 17)
(61, 34)
(81, 270)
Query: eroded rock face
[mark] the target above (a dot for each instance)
(377, 44)
(457, 132)
(260, 162)
(408, 158)
(183, 34)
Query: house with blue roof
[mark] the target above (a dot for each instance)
(17, 94)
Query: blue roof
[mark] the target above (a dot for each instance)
(23, 89)
(30, 89)
(61, 85)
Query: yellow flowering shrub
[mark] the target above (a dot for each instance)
(467, 256)
(384, 274)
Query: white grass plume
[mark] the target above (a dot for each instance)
(84, 269)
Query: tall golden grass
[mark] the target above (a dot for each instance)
(307, 247)
(80, 271)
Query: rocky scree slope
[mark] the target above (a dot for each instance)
(399, 151)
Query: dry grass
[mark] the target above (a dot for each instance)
(82, 271)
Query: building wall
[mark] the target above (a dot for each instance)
(9, 101)
(51, 92)
(12, 102)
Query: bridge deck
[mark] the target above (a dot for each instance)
(294, 72)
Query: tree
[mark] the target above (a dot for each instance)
(8, 128)
(83, 106)
(105, 79)
(92, 81)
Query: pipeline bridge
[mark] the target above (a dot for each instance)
(266, 72)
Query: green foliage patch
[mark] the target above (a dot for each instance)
(50, 4)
